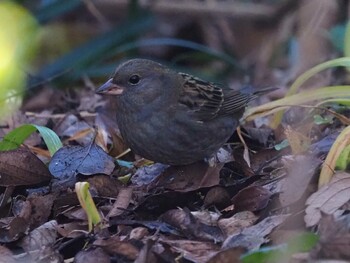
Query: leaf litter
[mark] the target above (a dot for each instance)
(196, 213)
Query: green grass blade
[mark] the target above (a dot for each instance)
(340, 93)
(50, 138)
(17, 136)
(339, 62)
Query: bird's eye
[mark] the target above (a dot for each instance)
(134, 79)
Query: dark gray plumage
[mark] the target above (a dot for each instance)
(172, 117)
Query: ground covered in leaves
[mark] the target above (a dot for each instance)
(277, 191)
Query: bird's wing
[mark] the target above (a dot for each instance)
(207, 100)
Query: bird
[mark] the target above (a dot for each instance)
(171, 117)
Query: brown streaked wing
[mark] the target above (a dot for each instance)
(203, 98)
(235, 101)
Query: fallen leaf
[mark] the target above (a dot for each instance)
(108, 132)
(70, 126)
(334, 239)
(105, 185)
(254, 236)
(92, 256)
(46, 254)
(147, 174)
(237, 222)
(190, 226)
(40, 237)
(188, 178)
(121, 204)
(69, 161)
(22, 167)
(328, 199)
(72, 230)
(251, 198)
(231, 255)
(195, 251)
(36, 209)
(114, 245)
(13, 229)
(217, 196)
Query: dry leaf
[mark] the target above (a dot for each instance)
(328, 199)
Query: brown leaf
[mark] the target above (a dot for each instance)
(196, 251)
(43, 236)
(105, 185)
(138, 233)
(231, 255)
(108, 129)
(92, 256)
(328, 199)
(190, 226)
(253, 237)
(72, 230)
(334, 239)
(237, 222)
(13, 230)
(217, 196)
(190, 177)
(114, 245)
(22, 167)
(252, 198)
(36, 209)
(121, 204)
(207, 217)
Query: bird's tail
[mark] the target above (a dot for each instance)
(260, 92)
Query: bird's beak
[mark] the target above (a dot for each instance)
(110, 88)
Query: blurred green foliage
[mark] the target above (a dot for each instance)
(303, 242)
(18, 44)
(93, 57)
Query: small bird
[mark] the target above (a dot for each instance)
(171, 117)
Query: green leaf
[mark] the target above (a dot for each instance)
(303, 242)
(283, 144)
(343, 159)
(319, 120)
(50, 138)
(87, 203)
(331, 161)
(266, 254)
(17, 136)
